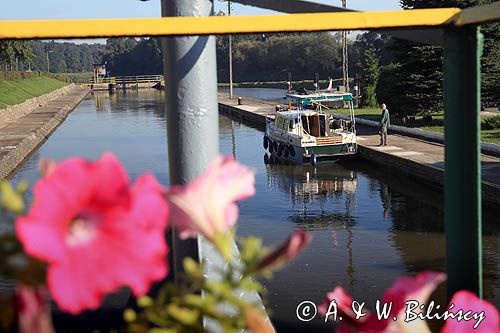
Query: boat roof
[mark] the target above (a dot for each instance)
(320, 97)
(299, 113)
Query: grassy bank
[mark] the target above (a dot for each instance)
(489, 135)
(17, 91)
(83, 77)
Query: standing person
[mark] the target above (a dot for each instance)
(385, 121)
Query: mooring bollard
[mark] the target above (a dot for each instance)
(239, 100)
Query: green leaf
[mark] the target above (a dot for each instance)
(218, 287)
(224, 243)
(250, 284)
(145, 301)
(129, 315)
(22, 187)
(194, 300)
(185, 316)
(10, 198)
(192, 268)
(250, 247)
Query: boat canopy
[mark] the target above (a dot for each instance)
(320, 98)
(294, 114)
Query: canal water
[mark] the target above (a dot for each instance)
(370, 225)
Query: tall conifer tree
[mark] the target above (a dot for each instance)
(420, 66)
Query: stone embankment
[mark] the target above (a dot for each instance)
(14, 112)
(25, 126)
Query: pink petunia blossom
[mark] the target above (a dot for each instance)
(33, 310)
(343, 301)
(207, 205)
(467, 301)
(406, 288)
(95, 231)
(46, 167)
(291, 248)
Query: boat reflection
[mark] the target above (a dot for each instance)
(322, 196)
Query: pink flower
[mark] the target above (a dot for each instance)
(95, 231)
(46, 167)
(467, 301)
(291, 248)
(343, 301)
(33, 310)
(207, 205)
(405, 288)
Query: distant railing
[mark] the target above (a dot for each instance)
(128, 79)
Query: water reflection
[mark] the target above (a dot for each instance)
(326, 186)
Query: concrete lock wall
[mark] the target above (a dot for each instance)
(20, 135)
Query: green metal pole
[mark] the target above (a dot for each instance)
(462, 99)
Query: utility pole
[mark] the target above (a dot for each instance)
(230, 55)
(48, 61)
(345, 55)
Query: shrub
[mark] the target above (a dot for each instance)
(492, 122)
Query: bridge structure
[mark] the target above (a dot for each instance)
(127, 82)
(192, 89)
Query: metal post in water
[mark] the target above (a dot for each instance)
(462, 98)
(192, 109)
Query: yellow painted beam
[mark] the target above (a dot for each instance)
(214, 25)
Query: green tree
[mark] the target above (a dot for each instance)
(269, 59)
(128, 56)
(370, 78)
(13, 52)
(420, 79)
(117, 55)
(490, 65)
(390, 92)
(65, 57)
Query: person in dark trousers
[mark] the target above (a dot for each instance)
(385, 121)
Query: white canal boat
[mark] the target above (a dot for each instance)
(306, 134)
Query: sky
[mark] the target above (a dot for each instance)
(78, 9)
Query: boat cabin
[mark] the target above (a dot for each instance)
(306, 133)
(298, 122)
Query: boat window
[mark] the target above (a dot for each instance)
(322, 126)
(279, 122)
(305, 124)
(290, 125)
